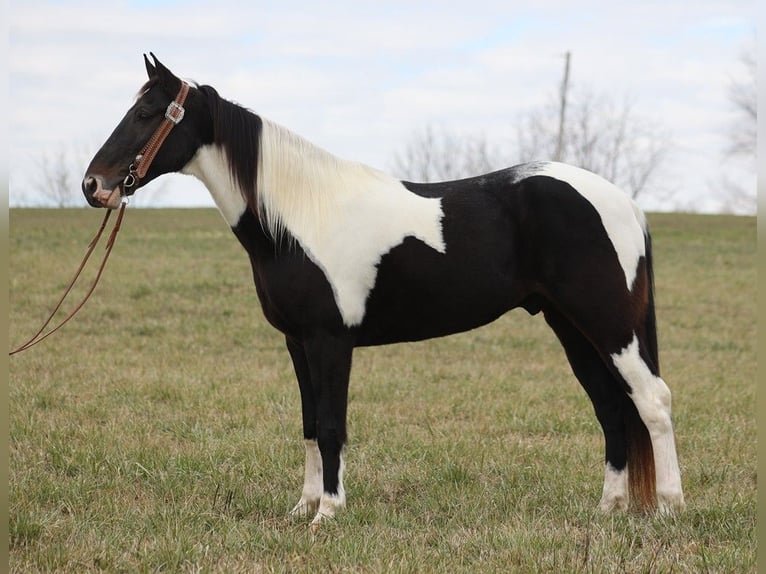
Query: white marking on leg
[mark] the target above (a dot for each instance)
(331, 503)
(313, 485)
(622, 219)
(615, 494)
(652, 398)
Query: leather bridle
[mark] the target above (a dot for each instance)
(140, 166)
(137, 171)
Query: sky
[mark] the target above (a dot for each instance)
(360, 78)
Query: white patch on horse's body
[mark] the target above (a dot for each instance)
(345, 215)
(615, 493)
(209, 165)
(624, 222)
(313, 484)
(652, 398)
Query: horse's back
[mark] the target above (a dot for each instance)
(554, 209)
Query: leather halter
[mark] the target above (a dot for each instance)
(173, 116)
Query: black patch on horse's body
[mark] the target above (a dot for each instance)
(295, 295)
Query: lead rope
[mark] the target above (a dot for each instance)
(36, 338)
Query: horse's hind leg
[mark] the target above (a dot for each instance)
(633, 405)
(651, 397)
(608, 401)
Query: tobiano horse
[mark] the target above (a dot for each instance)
(345, 256)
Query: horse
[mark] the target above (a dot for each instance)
(344, 256)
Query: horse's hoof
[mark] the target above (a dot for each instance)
(305, 507)
(668, 505)
(616, 504)
(314, 529)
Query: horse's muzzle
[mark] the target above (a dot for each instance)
(97, 195)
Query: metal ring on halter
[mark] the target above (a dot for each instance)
(130, 179)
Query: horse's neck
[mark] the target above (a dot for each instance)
(298, 183)
(210, 166)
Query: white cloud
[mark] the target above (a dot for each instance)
(359, 77)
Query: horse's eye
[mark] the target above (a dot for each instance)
(143, 114)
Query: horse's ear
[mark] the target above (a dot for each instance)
(168, 80)
(150, 69)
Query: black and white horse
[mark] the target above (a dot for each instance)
(345, 256)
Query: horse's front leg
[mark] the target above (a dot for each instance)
(322, 366)
(312, 479)
(329, 363)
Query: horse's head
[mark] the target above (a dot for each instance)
(123, 164)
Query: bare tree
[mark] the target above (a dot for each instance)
(607, 138)
(600, 135)
(743, 95)
(433, 155)
(741, 152)
(57, 178)
(55, 183)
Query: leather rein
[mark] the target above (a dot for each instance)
(137, 171)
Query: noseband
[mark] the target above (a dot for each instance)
(173, 116)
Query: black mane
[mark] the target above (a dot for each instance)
(238, 131)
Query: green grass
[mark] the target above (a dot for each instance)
(160, 429)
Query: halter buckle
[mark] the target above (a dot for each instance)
(175, 112)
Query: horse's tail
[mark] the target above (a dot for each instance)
(650, 322)
(642, 482)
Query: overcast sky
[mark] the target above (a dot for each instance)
(360, 77)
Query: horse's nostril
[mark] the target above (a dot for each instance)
(89, 185)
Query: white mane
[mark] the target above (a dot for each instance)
(301, 186)
(345, 215)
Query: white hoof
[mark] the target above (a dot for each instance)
(669, 504)
(305, 507)
(329, 505)
(614, 497)
(613, 504)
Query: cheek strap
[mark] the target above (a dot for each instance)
(173, 115)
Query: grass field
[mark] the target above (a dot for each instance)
(160, 430)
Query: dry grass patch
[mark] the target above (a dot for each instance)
(160, 430)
